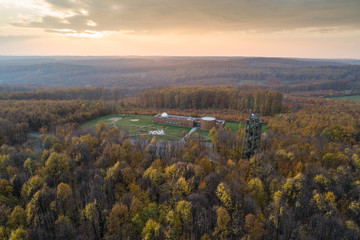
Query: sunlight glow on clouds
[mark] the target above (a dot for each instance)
(159, 16)
(179, 27)
(91, 23)
(86, 34)
(35, 9)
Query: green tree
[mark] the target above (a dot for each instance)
(18, 234)
(32, 209)
(151, 230)
(3, 233)
(29, 166)
(6, 189)
(32, 186)
(183, 208)
(136, 206)
(257, 189)
(182, 188)
(92, 215)
(293, 189)
(213, 135)
(351, 225)
(17, 218)
(222, 223)
(64, 191)
(156, 176)
(56, 164)
(100, 126)
(113, 173)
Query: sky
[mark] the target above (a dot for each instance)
(268, 28)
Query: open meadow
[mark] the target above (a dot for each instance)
(136, 125)
(350, 98)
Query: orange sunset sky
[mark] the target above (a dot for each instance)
(272, 28)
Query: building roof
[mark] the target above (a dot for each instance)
(208, 118)
(175, 117)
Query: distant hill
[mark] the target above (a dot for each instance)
(140, 72)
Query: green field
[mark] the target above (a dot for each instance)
(350, 98)
(137, 125)
(234, 126)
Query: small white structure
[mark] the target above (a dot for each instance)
(157, 132)
(208, 118)
(164, 115)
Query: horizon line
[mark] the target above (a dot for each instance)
(183, 56)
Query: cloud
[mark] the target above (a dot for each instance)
(194, 16)
(11, 38)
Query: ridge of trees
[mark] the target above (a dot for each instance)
(267, 102)
(17, 118)
(83, 93)
(169, 71)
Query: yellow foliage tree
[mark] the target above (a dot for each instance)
(64, 191)
(224, 195)
(151, 230)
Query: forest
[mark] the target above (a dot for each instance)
(83, 93)
(77, 183)
(18, 118)
(284, 74)
(266, 102)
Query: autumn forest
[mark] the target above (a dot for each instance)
(61, 180)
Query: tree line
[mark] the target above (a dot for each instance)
(83, 93)
(18, 118)
(169, 71)
(266, 102)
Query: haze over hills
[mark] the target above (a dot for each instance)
(143, 72)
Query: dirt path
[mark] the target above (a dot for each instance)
(189, 133)
(114, 119)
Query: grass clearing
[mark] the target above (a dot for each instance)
(136, 125)
(234, 126)
(350, 98)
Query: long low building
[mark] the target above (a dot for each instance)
(206, 123)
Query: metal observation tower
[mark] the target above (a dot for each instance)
(252, 136)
